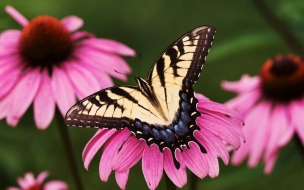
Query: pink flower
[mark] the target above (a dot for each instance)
(218, 126)
(30, 183)
(272, 105)
(49, 63)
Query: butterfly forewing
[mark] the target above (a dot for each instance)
(180, 65)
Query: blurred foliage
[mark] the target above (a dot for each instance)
(242, 43)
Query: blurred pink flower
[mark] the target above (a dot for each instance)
(272, 105)
(48, 63)
(30, 183)
(218, 126)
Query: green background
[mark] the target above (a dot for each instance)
(242, 43)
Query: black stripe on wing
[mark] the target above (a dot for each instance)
(103, 109)
(188, 52)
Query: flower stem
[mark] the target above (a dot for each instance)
(193, 181)
(279, 26)
(66, 141)
(169, 184)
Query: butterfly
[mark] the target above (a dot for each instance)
(161, 109)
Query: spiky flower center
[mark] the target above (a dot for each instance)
(283, 78)
(45, 42)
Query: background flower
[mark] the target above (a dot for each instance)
(122, 151)
(30, 183)
(272, 105)
(49, 62)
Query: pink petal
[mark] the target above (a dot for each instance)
(16, 15)
(202, 106)
(79, 36)
(216, 143)
(94, 145)
(41, 177)
(296, 110)
(110, 46)
(242, 85)
(269, 162)
(110, 150)
(278, 126)
(72, 23)
(195, 161)
(244, 101)
(23, 95)
(83, 81)
(219, 128)
(10, 37)
(152, 165)
(4, 102)
(13, 188)
(105, 62)
(210, 157)
(55, 185)
(129, 155)
(177, 176)
(122, 178)
(63, 91)
(44, 103)
(9, 76)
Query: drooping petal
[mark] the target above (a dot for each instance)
(152, 165)
(110, 46)
(296, 109)
(13, 188)
(216, 143)
(210, 156)
(219, 128)
(270, 161)
(177, 176)
(4, 102)
(9, 76)
(278, 125)
(195, 161)
(16, 15)
(72, 23)
(26, 88)
(122, 178)
(55, 185)
(83, 81)
(129, 155)
(94, 145)
(110, 151)
(44, 103)
(63, 91)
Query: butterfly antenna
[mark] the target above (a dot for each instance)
(123, 73)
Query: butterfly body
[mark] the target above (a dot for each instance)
(160, 110)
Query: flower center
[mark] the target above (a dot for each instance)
(35, 187)
(283, 78)
(45, 42)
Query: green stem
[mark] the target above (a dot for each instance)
(193, 181)
(169, 184)
(279, 26)
(66, 141)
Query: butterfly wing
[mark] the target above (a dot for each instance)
(114, 108)
(180, 65)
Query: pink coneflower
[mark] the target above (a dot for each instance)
(218, 126)
(48, 63)
(272, 105)
(30, 183)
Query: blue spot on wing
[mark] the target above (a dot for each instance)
(167, 136)
(147, 130)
